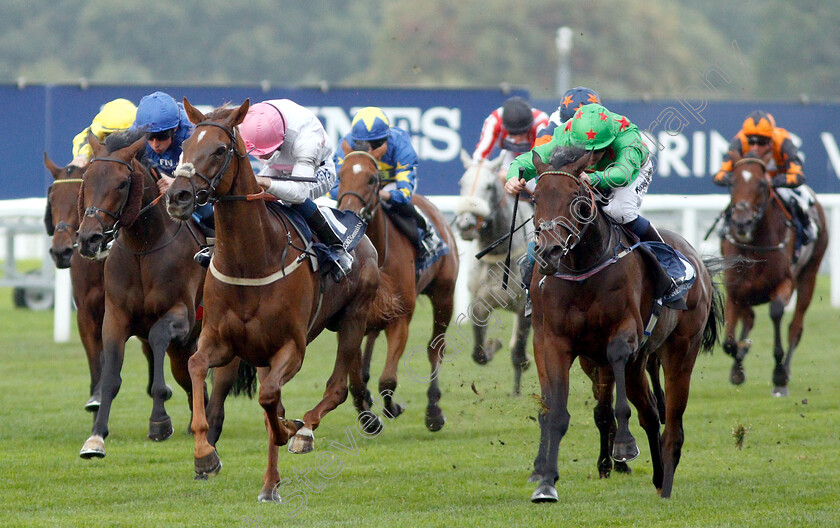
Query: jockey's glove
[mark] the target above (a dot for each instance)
(723, 178)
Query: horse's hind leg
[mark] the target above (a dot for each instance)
(737, 349)
(639, 393)
(173, 326)
(443, 305)
(677, 369)
(397, 335)
(480, 311)
(652, 368)
(367, 355)
(804, 295)
(777, 309)
(518, 356)
(602, 387)
(618, 354)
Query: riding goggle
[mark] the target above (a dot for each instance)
(163, 135)
(520, 147)
(758, 140)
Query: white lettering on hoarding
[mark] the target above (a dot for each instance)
(833, 152)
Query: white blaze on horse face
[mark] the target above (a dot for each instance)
(357, 168)
(747, 175)
(200, 136)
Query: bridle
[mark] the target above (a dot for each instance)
(756, 212)
(110, 232)
(578, 225)
(64, 226)
(485, 222)
(210, 195)
(372, 203)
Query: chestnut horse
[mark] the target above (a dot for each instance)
(86, 275)
(758, 230)
(358, 191)
(600, 312)
(262, 302)
(152, 285)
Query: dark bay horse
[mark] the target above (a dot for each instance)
(598, 309)
(358, 190)
(152, 285)
(262, 301)
(758, 231)
(86, 275)
(484, 214)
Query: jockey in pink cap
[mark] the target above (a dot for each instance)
(297, 159)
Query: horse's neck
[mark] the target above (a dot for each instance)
(246, 239)
(595, 239)
(377, 232)
(771, 229)
(150, 226)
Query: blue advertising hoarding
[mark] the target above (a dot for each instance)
(689, 139)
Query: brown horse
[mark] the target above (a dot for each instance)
(152, 285)
(87, 275)
(758, 231)
(262, 302)
(600, 312)
(358, 191)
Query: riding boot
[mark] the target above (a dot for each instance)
(326, 235)
(643, 228)
(526, 269)
(431, 242)
(809, 228)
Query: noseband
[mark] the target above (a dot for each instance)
(573, 227)
(370, 204)
(64, 226)
(110, 233)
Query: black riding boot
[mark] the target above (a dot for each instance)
(430, 242)
(526, 269)
(326, 235)
(809, 228)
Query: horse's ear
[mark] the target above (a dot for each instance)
(52, 167)
(93, 141)
(239, 115)
(465, 158)
(193, 113)
(581, 163)
(538, 163)
(735, 156)
(380, 151)
(136, 147)
(345, 147)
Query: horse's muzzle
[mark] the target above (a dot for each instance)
(467, 225)
(548, 258)
(180, 204)
(92, 245)
(61, 256)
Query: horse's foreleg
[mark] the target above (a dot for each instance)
(780, 298)
(90, 332)
(481, 308)
(737, 349)
(223, 379)
(602, 387)
(518, 356)
(112, 361)
(619, 350)
(553, 359)
(284, 365)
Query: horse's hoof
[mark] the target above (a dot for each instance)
(525, 364)
(207, 465)
(435, 422)
(302, 442)
(479, 357)
(780, 377)
(625, 452)
(371, 423)
(92, 404)
(535, 477)
(622, 467)
(393, 410)
(94, 447)
(160, 431)
(491, 347)
(736, 375)
(780, 392)
(544, 493)
(269, 495)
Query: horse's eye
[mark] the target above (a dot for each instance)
(220, 151)
(123, 185)
(372, 180)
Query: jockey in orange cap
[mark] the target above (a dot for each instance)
(760, 134)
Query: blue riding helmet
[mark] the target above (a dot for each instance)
(574, 99)
(369, 124)
(157, 112)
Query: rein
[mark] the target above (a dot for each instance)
(550, 225)
(371, 204)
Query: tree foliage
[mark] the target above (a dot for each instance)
(623, 48)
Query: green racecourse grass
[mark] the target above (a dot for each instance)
(472, 473)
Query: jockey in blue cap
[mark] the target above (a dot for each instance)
(168, 127)
(370, 128)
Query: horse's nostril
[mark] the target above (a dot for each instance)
(182, 197)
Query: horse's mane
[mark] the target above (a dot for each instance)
(124, 138)
(220, 113)
(563, 155)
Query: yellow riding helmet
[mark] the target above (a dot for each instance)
(118, 114)
(759, 123)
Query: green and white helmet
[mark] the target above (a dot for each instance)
(592, 127)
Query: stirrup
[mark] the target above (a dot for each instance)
(204, 256)
(430, 243)
(528, 306)
(343, 266)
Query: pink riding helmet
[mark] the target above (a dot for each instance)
(263, 129)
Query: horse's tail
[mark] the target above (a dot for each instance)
(717, 265)
(386, 305)
(711, 333)
(245, 382)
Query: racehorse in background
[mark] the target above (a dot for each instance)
(152, 284)
(759, 230)
(262, 302)
(593, 297)
(358, 190)
(484, 213)
(87, 276)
